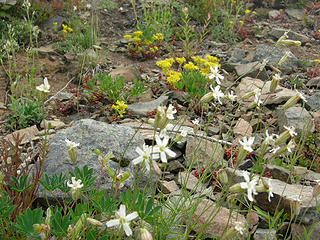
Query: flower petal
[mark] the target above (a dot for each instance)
(122, 211)
(131, 216)
(112, 223)
(127, 229)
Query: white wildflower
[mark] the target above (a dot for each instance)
(45, 87)
(217, 93)
(71, 144)
(291, 130)
(215, 74)
(162, 149)
(75, 185)
(239, 227)
(249, 185)
(247, 143)
(123, 220)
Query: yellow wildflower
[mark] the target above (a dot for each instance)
(136, 39)
(127, 37)
(319, 30)
(151, 50)
(156, 48)
(212, 59)
(190, 66)
(317, 60)
(137, 33)
(247, 11)
(166, 64)
(254, 12)
(180, 60)
(157, 36)
(55, 24)
(148, 42)
(231, 22)
(69, 29)
(199, 61)
(120, 107)
(64, 30)
(173, 77)
(241, 22)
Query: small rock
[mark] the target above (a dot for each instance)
(202, 152)
(313, 102)
(168, 187)
(273, 55)
(190, 182)
(297, 117)
(128, 73)
(64, 96)
(236, 55)
(276, 33)
(295, 13)
(212, 220)
(249, 84)
(251, 70)
(265, 234)
(27, 133)
(175, 166)
(145, 107)
(277, 172)
(242, 129)
(314, 82)
(55, 124)
(273, 14)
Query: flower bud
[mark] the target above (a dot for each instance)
(274, 82)
(296, 206)
(316, 190)
(236, 188)
(73, 154)
(290, 43)
(283, 37)
(222, 176)
(123, 177)
(291, 102)
(282, 138)
(283, 59)
(156, 168)
(241, 155)
(75, 194)
(145, 234)
(248, 95)
(207, 98)
(78, 226)
(94, 222)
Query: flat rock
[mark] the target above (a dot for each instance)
(248, 84)
(284, 196)
(273, 55)
(55, 124)
(242, 128)
(265, 234)
(276, 33)
(202, 152)
(26, 134)
(297, 117)
(142, 108)
(211, 219)
(251, 70)
(273, 14)
(190, 182)
(278, 172)
(168, 187)
(313, 102)
(295, 13)
(95, 135)
(128, 73)
(236, 55)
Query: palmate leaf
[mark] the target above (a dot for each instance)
(54, 182)
(5, 206)
(59, 224)
(85, 175)
(103, 204)
(19, 185)
(26, 221)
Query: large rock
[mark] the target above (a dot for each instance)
(211, 219)
(297, 117)
(91, 135)
(295, 13)
(248, 84)
(273, 55)
(202, 152)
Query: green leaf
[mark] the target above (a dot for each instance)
(59, 224)
(26, 221)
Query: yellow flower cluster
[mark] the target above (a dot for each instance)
(120, 108)
(157, 37)
(199, 64)
(66, 29)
